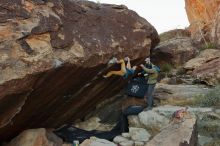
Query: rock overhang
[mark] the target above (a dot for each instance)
(53, 55)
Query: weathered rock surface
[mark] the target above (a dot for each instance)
(175, 52)
(93, 141)
(164, 132)
(126, 135)
(201, 15)
(203, 57)
(182, 134)
(127, 143)
(108, 111)
(176, 80)
(181, 91)
(204, 20)
(134, 121)
(67, 144)
(90, 124)
(139, 134)
(168, 110)
(51, 54)
(206, 66)
(93, 123)
(119, 139)
(176, 33)
(138, 143)
(36, 137)
(201, 10)
(153, 120)
(209, 72)
(215, 34)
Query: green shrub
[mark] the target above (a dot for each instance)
(212, 98)
(166, 68)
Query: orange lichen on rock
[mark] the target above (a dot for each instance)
(201, 14)
(201, 10)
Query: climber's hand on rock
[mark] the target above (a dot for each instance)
(142, 66)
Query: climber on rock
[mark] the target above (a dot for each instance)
(126, 70)
(152, 71)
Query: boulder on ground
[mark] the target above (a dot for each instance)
(36, 137)
(204, 56)
(90, 124)
(151, 119)
(206, 66)
(134, 121)
(93, 141)
(139, 134)
(119, 139)
(127, 143)
(182, 134)
(175, 52)
(176, 33)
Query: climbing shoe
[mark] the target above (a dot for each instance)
(113, 60)
(126, 59)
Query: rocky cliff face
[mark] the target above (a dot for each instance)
(202, 16)
(201, 11)
(204, 21)
(51, 53)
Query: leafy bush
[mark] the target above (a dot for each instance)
(166, 68)
(212, 98)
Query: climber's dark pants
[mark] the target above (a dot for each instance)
(131, 110)
(149, 95)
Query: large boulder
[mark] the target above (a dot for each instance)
(182, 134)
(139, 134)
(93, 141)
(206, 66)
(134, 121)
(53, 54)
(175, 51)
(153, 120)
(90, 124)
(93, 123)
(204, 57)
(36, 137)
(175, 33)
(209, 72)
(119, 139)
